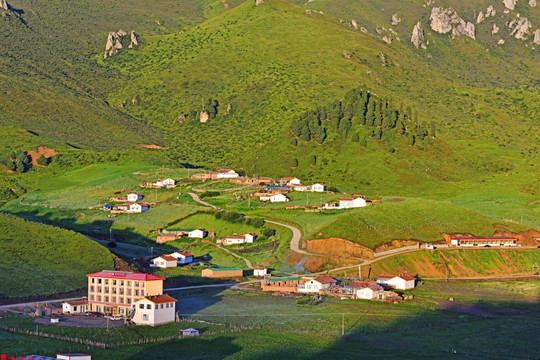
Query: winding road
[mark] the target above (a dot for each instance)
(198, 199)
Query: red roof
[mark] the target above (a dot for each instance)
(406, 277)
(225, 170)
(259, 268)
(235, 237)
(359, 284)
(326, 280)
(167, 258)
(386, 276)
(78, 302)
(159, 299)
(183, 253)
(346, 199)
(483, 238)
(125, 275)
(288, 178)
(142, 204)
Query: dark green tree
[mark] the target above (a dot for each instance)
(294, 162)
(294, 142)
(19, 166)
(42, 160)
(355, 137)
(11, 166)
(312, 159)
(362, 142)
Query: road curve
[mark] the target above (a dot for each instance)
(198, 199)
(295, 241)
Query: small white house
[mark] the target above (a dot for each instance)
(75, 307)
(279, 197)
(168, 183)
(314, 286)
(354, 202)
(198, 233)
(301, 188)
(402, 282)
(249, 237)
(138, 207)
(290, 181)
(72, 357)
(134, 197)
(234, 239)
(154, 310)
(227, 174)
(318, 187)
(165, 261)
(365, 290)
(182, 257)
(259, 271)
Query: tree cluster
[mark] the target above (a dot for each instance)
(18, 161)
(359, 107)
(235, 217)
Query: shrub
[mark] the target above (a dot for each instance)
(209, 194)
(256, 222)
(268, 232)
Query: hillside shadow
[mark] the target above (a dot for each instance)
(194, 348)
(472, 331)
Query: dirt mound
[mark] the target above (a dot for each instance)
(394, 244)
(41, 150)
(317, 263)
(339, 247)
(152, 146)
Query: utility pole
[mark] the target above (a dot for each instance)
(110, 234)
(359, 272)
(342, 324)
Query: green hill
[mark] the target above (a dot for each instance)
(273, 62)
(38, 259)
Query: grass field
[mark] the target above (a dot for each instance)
(37, 259)
(285, 329)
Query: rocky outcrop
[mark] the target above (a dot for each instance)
(114, 42)
(134, 41)
(495, 29)
(537, 37)
(446, 20)
(354, 24)
(203, 117)
(490, 11)
(532, 3)
(258, 2)
(395, 19)
(510, 4)
(417, 37)
(520, 28)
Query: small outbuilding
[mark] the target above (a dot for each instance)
(223, 272)
(189, 332)
(75, 307)
(165, 261)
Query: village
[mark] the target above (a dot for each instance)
(118, 298)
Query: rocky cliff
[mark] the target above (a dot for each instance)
(446, 20)
(114, 42)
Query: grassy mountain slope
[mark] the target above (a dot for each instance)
(43, 260)
(273, 61)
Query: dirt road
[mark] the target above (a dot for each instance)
(197, 199)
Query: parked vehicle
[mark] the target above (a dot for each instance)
(430, 247)
(115, 318)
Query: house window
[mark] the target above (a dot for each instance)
(113, 300)
(92, 297)
(99, 298)
(121, 300)
(92, 288)
(142, 292)
(99, 289)
(161, 306)
(99, 281)
(136, 283)
(145, 317)
(120, 311)
(156, 307)
(142, 284)
(92, 280)
(113, 290)
(121, 282)
(74, 308)
(129, 301)
(121, 291)
(149, 306)
(136, 292)
(114, 282)
(106, 281)
(141, 306)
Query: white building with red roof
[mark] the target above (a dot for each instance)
(165, 261)
(182, 257)
(318, 187)
(239, 239)
(401, 282)
(366, 290)
(75, 307)
(317, 285)
(154, 310)
(290, 181)
(260, 271)
(227, 174)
